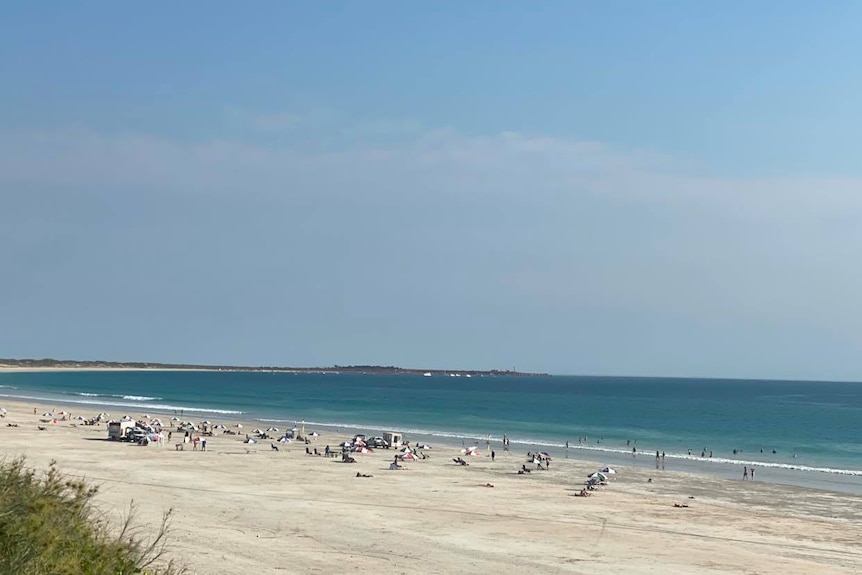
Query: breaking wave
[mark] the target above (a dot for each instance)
(128, 403)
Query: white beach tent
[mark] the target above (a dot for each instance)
(610, 470)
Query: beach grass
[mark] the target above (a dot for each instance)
(48, 525)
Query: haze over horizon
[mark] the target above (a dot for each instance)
(576, 188)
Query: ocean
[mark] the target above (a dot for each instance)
(800, 433)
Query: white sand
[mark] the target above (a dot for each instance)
(246, 509)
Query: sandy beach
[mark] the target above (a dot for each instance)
(243, 508)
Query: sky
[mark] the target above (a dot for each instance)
(659, 188)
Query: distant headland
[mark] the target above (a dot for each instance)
(65, 364)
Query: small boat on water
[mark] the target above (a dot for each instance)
(426, 374)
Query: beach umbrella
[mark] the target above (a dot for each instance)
(597, 475)
(361, 450)
(175, 419)
(608, 470)
(315, 434)
(284, 439)
(272, 429)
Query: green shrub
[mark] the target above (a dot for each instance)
(48, 526)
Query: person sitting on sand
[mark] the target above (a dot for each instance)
(524, 469)
(583, 493)
(394, 465)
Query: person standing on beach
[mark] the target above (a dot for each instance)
(493, 455)
(745, 473)
(752, 474)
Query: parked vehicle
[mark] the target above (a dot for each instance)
(117, 430)
(377, 442)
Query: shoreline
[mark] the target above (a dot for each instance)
(843, 481)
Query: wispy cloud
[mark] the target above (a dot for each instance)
(621, 251)
(276, 122)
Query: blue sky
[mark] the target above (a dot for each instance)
(663, 188)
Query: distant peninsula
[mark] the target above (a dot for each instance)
(64, 364)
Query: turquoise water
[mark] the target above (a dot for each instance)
(814, 427)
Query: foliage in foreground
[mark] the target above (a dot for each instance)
(48, 526)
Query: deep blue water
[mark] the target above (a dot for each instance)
(818, 422)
